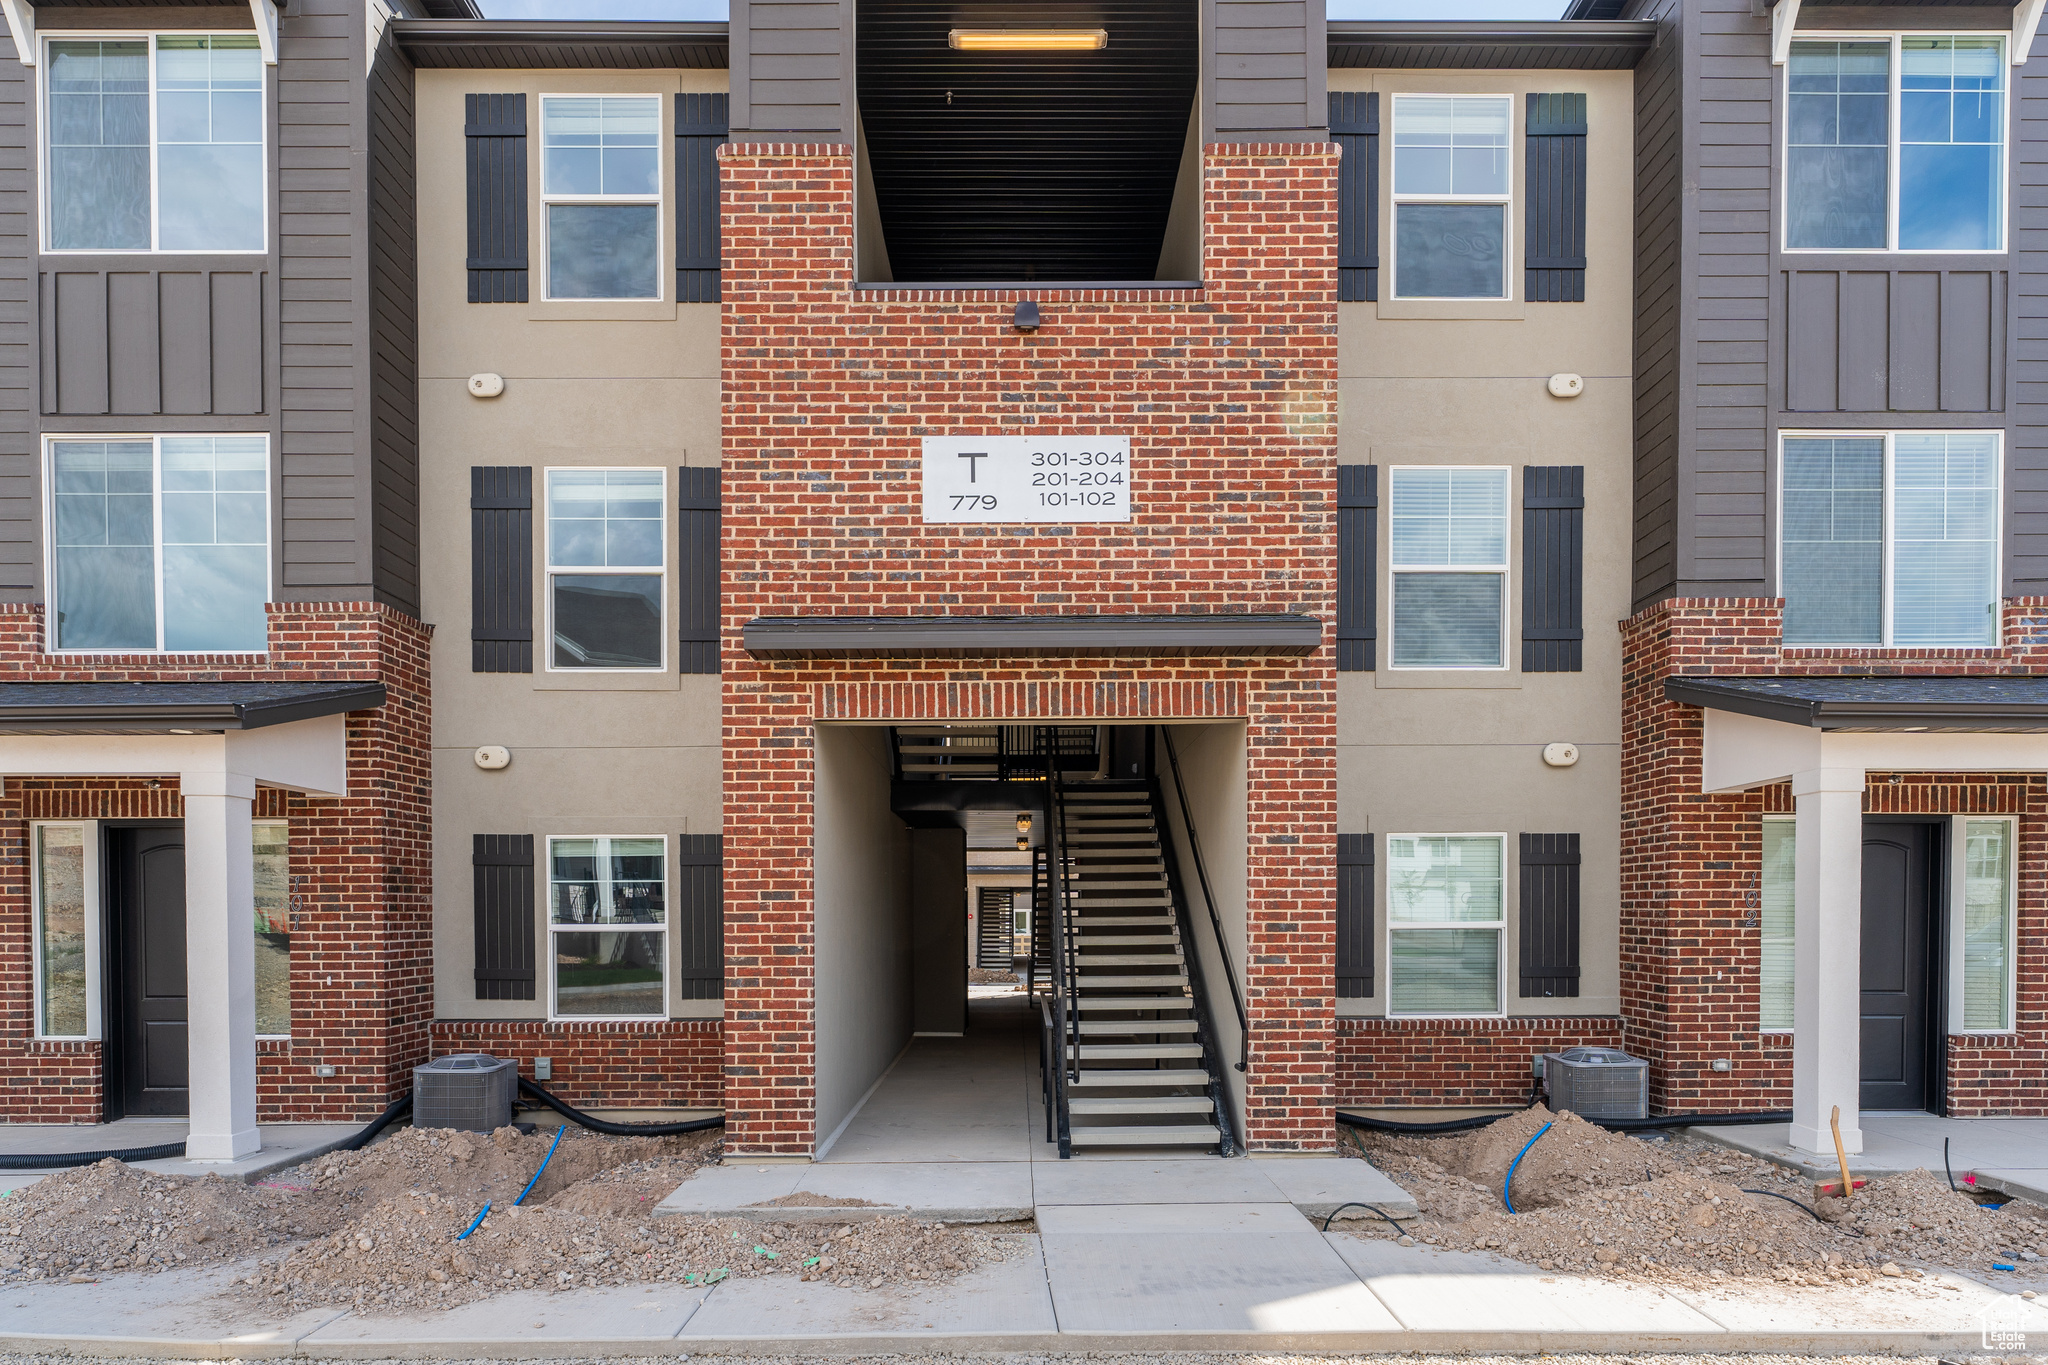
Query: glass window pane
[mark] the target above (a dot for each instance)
(1450, 251)
(273, 928)
(1452, 144)
(607, 620)
(1447, 620)
(601, 144)
(105, 534)
(1444, 878)
(1833, 541)
(1838, 122)
(609, 972)
(1449, 518)
(603, 251)
(1951, 144)
(605, 518)
(606, 881)
(98, 130)
(216, 542)
(1987, 924)
(1775, 911)
(1945, 539)
(60, 929)
(1443, 971)
(209, 143)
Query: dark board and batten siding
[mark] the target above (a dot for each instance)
(792, 71)
(118, 340)
(1659, 288)
(1265, 71)
(1869, 341)
(394, 330)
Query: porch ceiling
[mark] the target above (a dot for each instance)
(1993, 704)
(117, 708)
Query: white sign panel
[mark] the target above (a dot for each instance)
(1027, 478)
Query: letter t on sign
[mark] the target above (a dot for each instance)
(971, 457)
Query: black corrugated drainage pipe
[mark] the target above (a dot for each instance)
(597, 1125)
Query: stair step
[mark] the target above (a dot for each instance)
(1129, 959)
(1134, 1052)
(1165, 1135)
(1126, 941)
(1128, 982)
(1081, 874)
(1138, 1026)
(1132, 1002)
(1113, 902)
(1127, 884)
(1120, 921)
(1143, 1104)
(1148, 1080)
(1135, 836)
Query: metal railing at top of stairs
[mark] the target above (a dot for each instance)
(1060, 1036)
(1187, 820)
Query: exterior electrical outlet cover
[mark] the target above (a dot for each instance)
(1597, 1083)
(470, 1090)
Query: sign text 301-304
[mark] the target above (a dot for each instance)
(1027, 478)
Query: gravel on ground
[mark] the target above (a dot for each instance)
(1681, 1210)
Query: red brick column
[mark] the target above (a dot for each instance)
(1228, 395)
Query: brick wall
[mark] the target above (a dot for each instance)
(360, 867)
(1690, 933)
(666, 1064)
(1228, 396)
(1454, 1063)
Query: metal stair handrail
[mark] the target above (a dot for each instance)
(1187, 819)
(1063, 1065)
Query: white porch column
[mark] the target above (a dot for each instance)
(220, 964)
(1827, 963)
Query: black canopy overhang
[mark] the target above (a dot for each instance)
(168, 708)
(2000, 704)
(802, 637)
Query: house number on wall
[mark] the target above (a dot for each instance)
(1027, 478)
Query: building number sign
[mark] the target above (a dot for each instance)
(1027, 478)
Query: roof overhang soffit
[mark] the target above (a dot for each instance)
(2026, 22)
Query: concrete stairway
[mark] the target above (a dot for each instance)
(1143, 1079)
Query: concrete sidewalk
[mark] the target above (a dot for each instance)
(1179, 1277)
(2008, 1155)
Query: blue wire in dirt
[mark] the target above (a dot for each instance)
(473, 1223)
(543, 1166)
(1508, 1183)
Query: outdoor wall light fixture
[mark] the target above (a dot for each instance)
(1028, 39)
(1025, 318)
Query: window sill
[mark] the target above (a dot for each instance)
(650, 310)
(1499, 310)
(1447, 679)
(667, 680)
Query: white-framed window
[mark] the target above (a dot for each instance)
(1448, 557)
(159, 543)
(154, 142)
(1446, 908)
(601, 193)
(607, 553)
(270, 846)
(1983, 956)
(1889, 538)
(1453, 199)
(65, 875)
(1775, 890)
(607, 926)
(1895, 142)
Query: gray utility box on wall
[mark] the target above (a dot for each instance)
(1597, 1083)
(471, 1090)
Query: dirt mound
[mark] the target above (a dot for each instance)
(403, 1254)
(1682, 1210)
(108, 1217)
(990, 976)
(804, 1199)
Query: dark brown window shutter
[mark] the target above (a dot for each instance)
(699, 920)
(501, 871)
(1354, 917)
(1550, 916)
(1553, 568)
(697, 587)
(1358, 535)
(495, 131)
(701, 125)
(1355, 128)
(501, 569)
(1554, 269)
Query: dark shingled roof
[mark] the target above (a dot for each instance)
(119, 708)
(1993, 703)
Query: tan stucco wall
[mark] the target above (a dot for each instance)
(1456, 752)
(592, 384)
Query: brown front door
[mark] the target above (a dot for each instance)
(146, 1071)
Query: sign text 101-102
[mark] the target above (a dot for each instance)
(1027, 478)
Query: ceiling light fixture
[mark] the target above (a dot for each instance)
(1024, 823)
(1028, 39)
(1023, 843)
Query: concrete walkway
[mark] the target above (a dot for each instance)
(2010, 1155)
(284, 1145)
